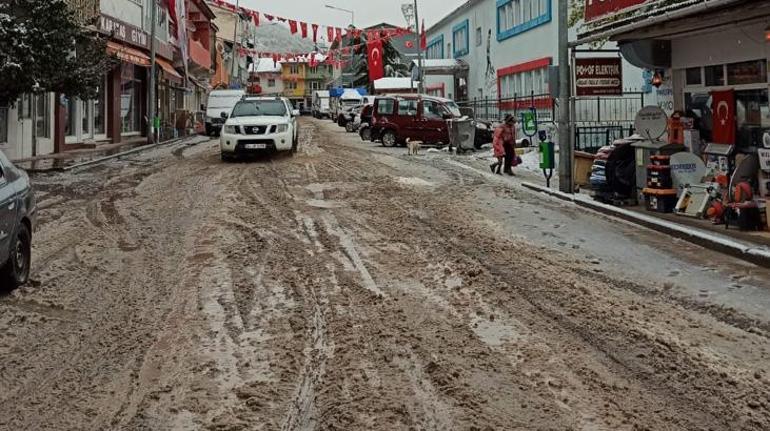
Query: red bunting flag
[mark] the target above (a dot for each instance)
(346, 50)
(374, 60)
(303, 27)
(315, 33)
(293, 26)
(423, 38)
(269, 17)
(281, 19)
(338, 34)
(255, 17)
(329, 34)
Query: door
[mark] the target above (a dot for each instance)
(433, 123)
(408, 121)
(7, 213)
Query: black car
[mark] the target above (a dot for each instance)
(17, 219)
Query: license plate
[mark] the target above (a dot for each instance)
(256, 146)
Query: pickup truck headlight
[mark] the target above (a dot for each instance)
(233, 130)
(281, 128)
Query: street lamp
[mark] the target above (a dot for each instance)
(352, 13)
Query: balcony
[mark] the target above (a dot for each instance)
(85, 10)
(294, 92)
(200, 56)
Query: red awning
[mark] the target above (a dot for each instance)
(129, 55)
(168, 71)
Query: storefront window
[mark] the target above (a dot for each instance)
(753, 115)
(100, 104)
(747, 72)
(130, 99)
(70, 122)
(693, 76)
(42, 116)
(3, 124)
(715, 76)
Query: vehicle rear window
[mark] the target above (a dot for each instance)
(386, 106)
(407, 107)
(253, 108)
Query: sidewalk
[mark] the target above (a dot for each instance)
(750, 246)
(67, 159)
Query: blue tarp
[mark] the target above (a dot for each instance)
(337, 91)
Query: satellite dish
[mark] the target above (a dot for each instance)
(766, 140)
(651, 122)
(686, 168)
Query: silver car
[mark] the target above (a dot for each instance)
(17, 220)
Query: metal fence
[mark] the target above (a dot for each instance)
(598, 120)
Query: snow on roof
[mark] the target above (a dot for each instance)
(394, 83)
(440, 62)
(351, 93)
(265, 65)
(306, 58)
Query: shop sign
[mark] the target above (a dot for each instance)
(764, 158)
(119, 30)
(600, 8)
(599, 76)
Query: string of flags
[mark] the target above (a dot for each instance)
(333, 34)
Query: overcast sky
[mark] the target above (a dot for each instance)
(368, 12)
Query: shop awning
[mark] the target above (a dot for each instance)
(129, 55)
(168, 71)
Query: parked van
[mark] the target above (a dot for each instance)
(419, 117)
(346, 99)
(220, 102)
(320, 104)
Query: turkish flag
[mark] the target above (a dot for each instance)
(171, 5)
(255, 17)
(315, 33)
(329, 34)
(303, 27)
(374, 59)
(338, 34)
(423, 38)
(723, 117)
(269, 17)
(293, 26)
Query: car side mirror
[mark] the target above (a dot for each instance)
(448, 116)
(224, 115)
(295, 113)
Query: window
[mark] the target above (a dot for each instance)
(479, 36)
(407, 108)
(3, 124)
(294, 69)
(25, 107)
(693, 76)
(747, 72)
(517, 16)
(751, 122)
(271, 82)
(715, 76)
(43, 115)
(435, 48)
(524, 79)
(432, 110)
(460, 38)
(291, 85)
(130, 99)
(386, 106)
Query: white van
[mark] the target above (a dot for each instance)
(220, 102)
(320, 103)
(350, 97)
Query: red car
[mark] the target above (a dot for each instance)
(418, 117)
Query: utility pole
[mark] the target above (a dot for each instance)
(420, 83)
(565, 87)
(151, 102)
(237, 18)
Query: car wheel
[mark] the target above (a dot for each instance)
(389, 139)
(349, 127)
(16, 271)
(226, 157)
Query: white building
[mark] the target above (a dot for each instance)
(508, 45)
(266, 73)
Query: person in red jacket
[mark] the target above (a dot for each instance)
(504, 145)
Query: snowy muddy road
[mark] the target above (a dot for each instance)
(351, 288)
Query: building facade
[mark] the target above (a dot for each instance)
(47, 123)
(266, 77)
(301, 78)
(508, 46)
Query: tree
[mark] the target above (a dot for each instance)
(44, 47)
